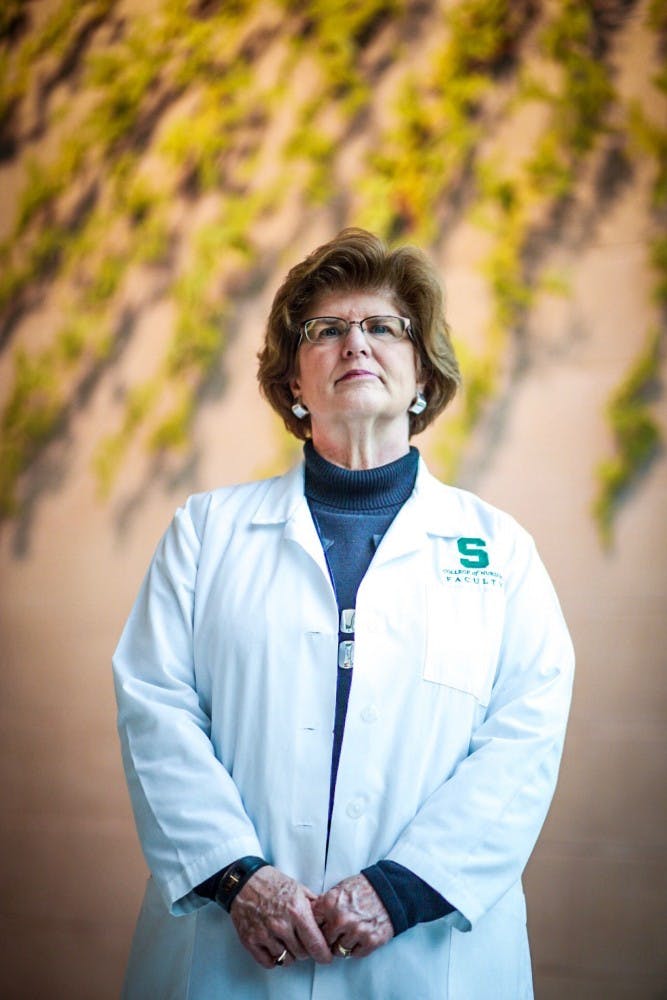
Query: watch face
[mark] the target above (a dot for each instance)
(231, 880)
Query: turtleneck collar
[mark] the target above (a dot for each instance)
(359, 489)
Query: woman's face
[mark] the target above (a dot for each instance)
(356, 378)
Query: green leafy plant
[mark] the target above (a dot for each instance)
(636, 436)
(187, 114)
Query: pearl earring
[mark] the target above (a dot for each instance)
(299, 410)
(418, 404)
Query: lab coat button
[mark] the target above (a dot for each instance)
(355, 808)
(370, 714)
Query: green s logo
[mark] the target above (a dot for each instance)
(473, 553)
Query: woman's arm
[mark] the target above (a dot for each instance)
(189, 814)
(472, 838)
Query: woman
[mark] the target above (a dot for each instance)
(343, 691)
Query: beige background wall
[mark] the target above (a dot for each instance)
(72, 873)
(71, 870)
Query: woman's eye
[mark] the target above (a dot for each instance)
(379, 329)
(327, 332)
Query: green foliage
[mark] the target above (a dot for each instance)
(420, 159)
(197, 142)
(659, 262)
(136, 196)
(109, 455)
(480, 380)
(337, 31)
(152, 240)
(657, 16)
(197, 339)
(178, 109)
(505, 216)
(650, 139)
(122, 76)
(55, 37)
(56, 34)
(29, 420)
(71, 342)
(13, 279)
(317, 150)
(511, 292)
(509, 204)
(172, 431)
(485, 33)
(107, 278)
(581, 104)
(84, 336)
(549, 169)
(46, 250)
(43, 184)
(660, 80)
(635, 432)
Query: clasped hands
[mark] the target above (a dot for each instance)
(279, 920)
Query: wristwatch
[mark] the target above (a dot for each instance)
(234, 877)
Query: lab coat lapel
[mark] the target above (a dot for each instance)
(433, 509)
(301, 530)
(285, 503)
(406, 534)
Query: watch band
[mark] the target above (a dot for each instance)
(234, 877)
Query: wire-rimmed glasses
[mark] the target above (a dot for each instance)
(330, 329)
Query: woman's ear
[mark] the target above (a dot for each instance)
(295, 388)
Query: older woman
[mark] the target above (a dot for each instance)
(343, 691)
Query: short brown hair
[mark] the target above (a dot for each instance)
(356, 260)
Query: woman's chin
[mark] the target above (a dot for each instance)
(359, 412)
(362, 396)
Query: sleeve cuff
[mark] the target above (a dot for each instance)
(388, 897)
(405, 895)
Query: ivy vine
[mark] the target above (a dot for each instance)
(196, 107)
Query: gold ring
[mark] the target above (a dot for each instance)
(343, 951)
(281, 957)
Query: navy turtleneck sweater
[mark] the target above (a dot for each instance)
(352, 509)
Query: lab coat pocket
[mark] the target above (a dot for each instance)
(464, 632)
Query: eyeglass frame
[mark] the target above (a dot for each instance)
(407, 330)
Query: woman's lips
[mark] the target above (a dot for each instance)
(356, 373)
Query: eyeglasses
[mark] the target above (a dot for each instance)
(330, 329)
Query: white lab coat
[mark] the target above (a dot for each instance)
(226, 679)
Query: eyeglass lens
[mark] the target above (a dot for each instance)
(326, 328)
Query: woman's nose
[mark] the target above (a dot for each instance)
(354, 341)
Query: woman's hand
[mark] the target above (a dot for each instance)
(273, 912)
(353, 918)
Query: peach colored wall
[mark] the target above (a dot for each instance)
(72, 872)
